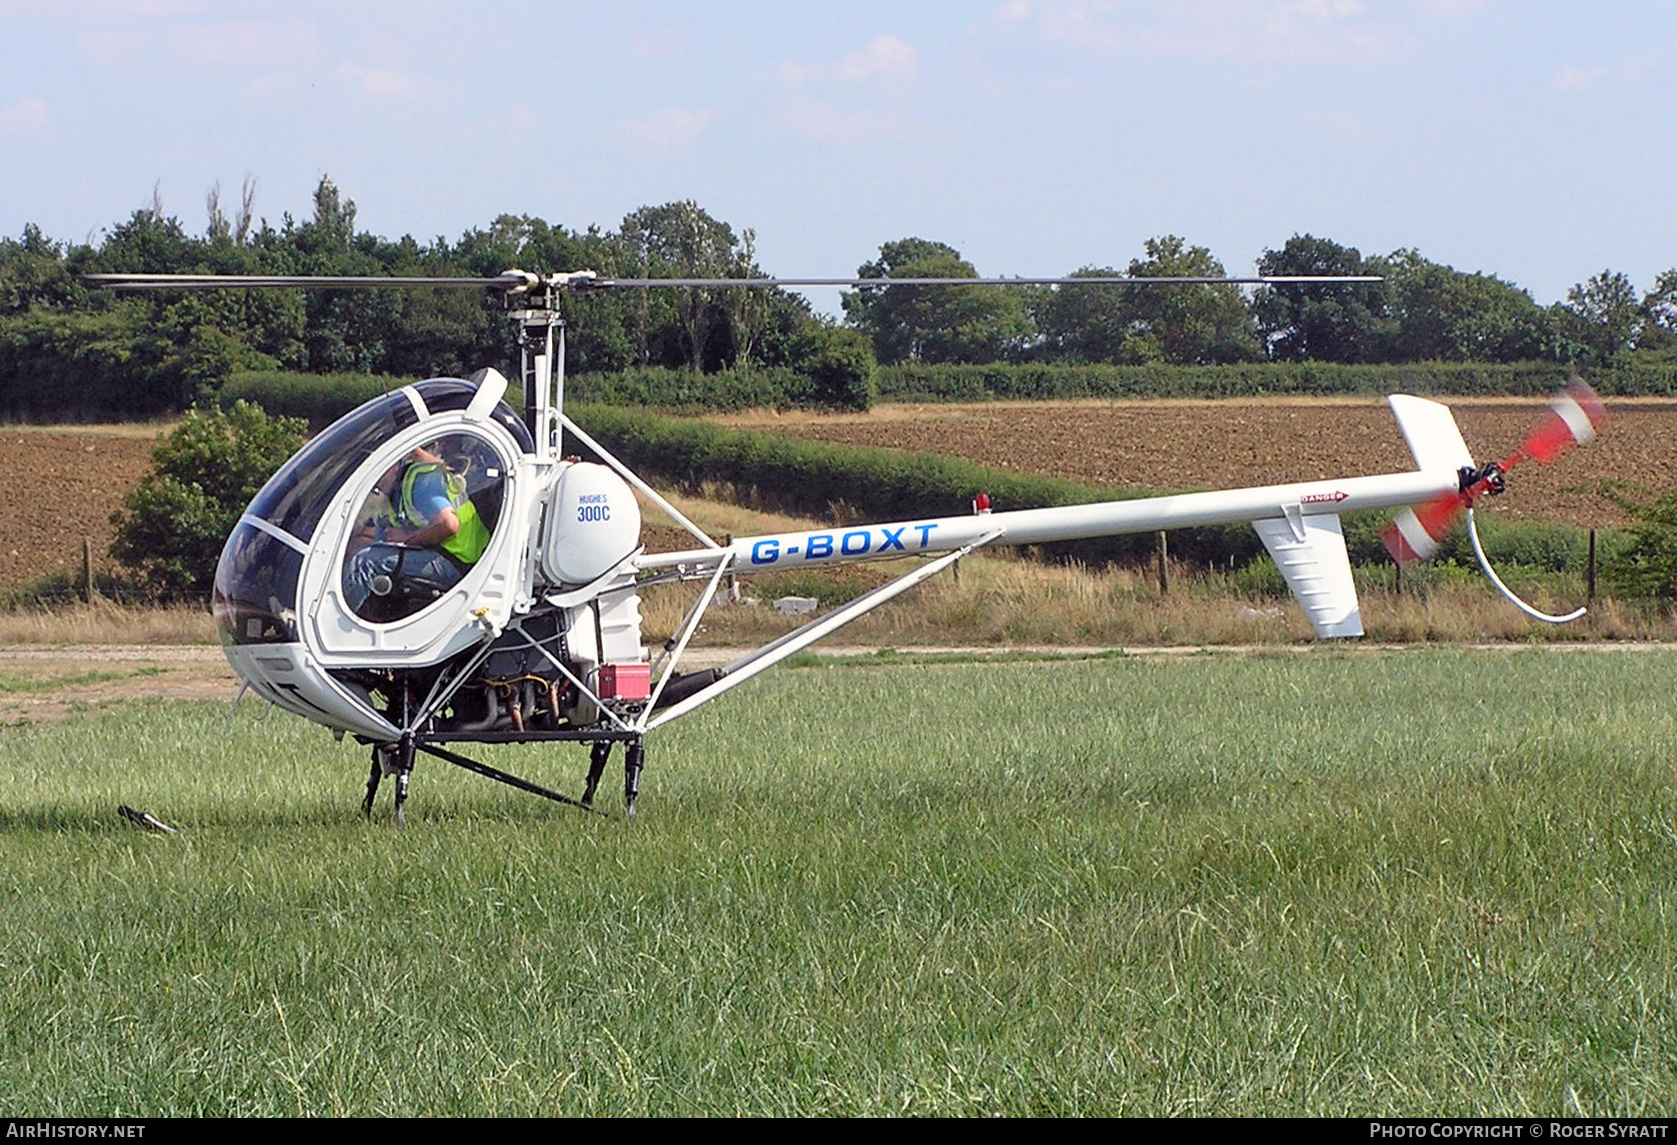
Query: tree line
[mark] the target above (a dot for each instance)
(66, 348)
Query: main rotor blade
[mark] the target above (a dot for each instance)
(306, 281)
(1190, 280)
(517, 281)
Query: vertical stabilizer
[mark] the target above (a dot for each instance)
(1431, 432)
(1310, 552)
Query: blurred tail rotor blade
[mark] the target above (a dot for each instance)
(1417, 533)
(1575, 416)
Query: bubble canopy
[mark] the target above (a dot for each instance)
(256, 580)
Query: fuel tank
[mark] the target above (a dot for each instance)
(593, 522)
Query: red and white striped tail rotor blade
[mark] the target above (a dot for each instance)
(1417, 533)
(1575, 416)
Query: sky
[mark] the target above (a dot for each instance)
(1535, 140)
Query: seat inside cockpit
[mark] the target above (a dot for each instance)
(423, 526)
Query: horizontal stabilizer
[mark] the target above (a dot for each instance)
(1310, 552)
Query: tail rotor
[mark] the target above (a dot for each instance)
(1575, 416)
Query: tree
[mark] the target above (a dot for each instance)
(1659, 315)
(935, 323)
(681, 238)
(33, 273)
(1085, 323)
(149, 243)
(1192, 325)
(1608, 314)
(838, 366)
(1325, 322)
(1442, 314)
(1648, 568)
(174, 523)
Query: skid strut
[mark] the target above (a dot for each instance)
(390, 759)
(634, 758)
(597, 757)
(499, 776)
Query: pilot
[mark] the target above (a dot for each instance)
(419, 527)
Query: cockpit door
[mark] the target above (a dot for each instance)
(379, 586)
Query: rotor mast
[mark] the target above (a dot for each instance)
(541, 352)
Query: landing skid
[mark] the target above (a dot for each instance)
(397, 759)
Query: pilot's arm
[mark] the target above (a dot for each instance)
(444, 524)
(433, 505)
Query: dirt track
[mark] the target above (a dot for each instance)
(67, 482)
(60, 680)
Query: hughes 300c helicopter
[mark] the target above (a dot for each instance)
(434, 569)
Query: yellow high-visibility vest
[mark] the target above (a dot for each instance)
(465, 546)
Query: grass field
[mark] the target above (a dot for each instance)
(1328, 882)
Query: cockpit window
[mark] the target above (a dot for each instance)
(256, 589)
(297, 496)
(426, 522)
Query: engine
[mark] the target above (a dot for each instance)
(591, 522)
(528, 680)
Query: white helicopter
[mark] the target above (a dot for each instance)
(509, 610)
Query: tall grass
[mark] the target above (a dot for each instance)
(106, 622)
(1000, 598)
(1347, 883)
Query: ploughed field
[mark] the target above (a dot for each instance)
(66, 482)
(62, 487)
(1181, 445)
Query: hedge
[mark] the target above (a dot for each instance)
(948, 383)
(824, 480)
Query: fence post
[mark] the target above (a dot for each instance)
(1164, 564)
(1589, 592)
(88, 591)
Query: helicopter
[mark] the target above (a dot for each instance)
(435, 569)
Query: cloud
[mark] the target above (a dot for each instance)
(884, 57)
(103, 9)
(202, 45)
(658, 48)
(239, 43)
(1351, 128)
(824, 121)
(822, 112)
(1578, 79)
(382, 83)
(669, 128)
(1334, 31)
(26, 116)
(111, 45)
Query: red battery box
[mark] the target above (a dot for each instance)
(625, 681)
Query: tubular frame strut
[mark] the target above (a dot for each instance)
(499, 776)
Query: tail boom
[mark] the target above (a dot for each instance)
(1064, 523)
(1298, 523)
